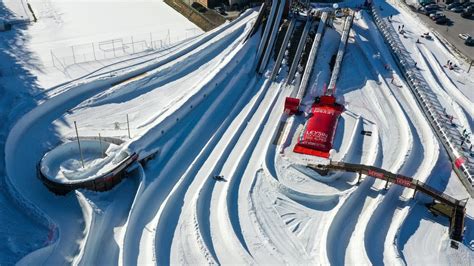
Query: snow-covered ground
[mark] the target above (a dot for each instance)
(202, 111)
(26, 72)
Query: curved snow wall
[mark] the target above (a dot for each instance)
(418, 88)
(101, 183)
(234, 63)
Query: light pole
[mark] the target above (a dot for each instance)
(79, 144)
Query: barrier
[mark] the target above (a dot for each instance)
(261, 14)
(101, 183)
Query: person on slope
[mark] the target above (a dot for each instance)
(219, 177)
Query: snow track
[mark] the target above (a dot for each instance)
(202, 111)
(348, 211)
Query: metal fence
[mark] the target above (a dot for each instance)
(61, 58)
(103, 52)
(448, 136)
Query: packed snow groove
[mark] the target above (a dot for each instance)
(217, 179)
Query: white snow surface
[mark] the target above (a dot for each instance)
(201, 110)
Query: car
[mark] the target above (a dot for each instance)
(469, 41)
(452, 5)
(467, 4)
(431, 9)
(464, 36)
(423, 11)
(441, 20)
(466, 14)
(433, 16)
(425, 3)
(429, 12)
(457, 9)
(432, 6)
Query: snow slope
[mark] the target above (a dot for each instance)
(202, 111)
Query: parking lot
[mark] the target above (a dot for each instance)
(452, 30)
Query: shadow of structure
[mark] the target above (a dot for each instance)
(17, 87)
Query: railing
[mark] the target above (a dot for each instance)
(266, 32)
(273, 35)
(299, 51)
(340, 54)
(283, 47)
(312, 56)
(428, 102)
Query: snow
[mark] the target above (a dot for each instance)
(199, 110)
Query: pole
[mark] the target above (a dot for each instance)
(93, 50)
(128, 126)
(133, 45)
(470, 65)
(73, 54)
(113, 47)
(101, 149)
(52, 57)
(169, 37)
(151, 41)
(79, 144)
